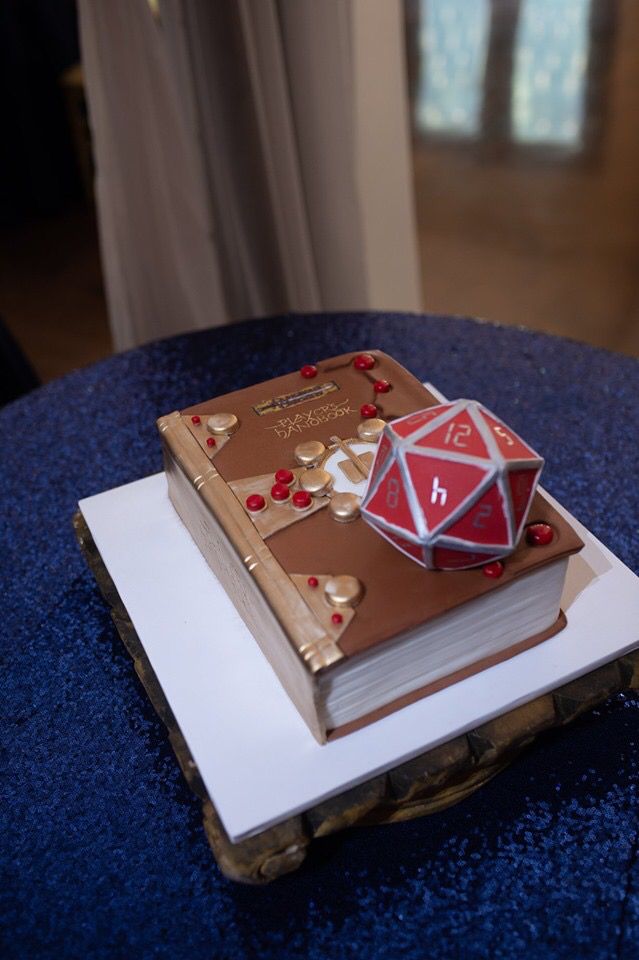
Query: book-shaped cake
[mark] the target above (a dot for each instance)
(379, 545)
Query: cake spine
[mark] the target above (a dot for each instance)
(317, 649)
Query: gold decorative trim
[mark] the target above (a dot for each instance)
(285, 401)
(354, 473)
(315, 645)
(165, 422)
(315, 598)
(276, 516)
(345, 507)
(362, 466)
(343, 591)
(200, 434)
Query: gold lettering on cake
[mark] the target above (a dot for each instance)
(286, 427)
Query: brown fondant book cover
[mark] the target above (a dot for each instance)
(267, 480)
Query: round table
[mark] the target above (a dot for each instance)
(103, 852)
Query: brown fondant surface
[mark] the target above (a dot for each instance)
(258, 447)
(399, 594)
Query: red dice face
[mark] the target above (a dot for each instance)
(451, 486)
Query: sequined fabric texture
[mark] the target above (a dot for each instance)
(102, 849)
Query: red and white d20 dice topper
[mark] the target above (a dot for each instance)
(451, 486)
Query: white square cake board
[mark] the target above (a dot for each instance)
(257, 759)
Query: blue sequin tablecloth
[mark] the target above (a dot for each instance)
(102, 849)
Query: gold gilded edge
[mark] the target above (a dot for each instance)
(299, 623)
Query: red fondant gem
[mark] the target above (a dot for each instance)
(364, 361)
(195, 419)
(255, 502)
(368, 410)
(280, 492)
(337, 618)
(493, 570)
(539, 534)
(308, 371)
(313, 582)
(210, 441)
(285, 476)
(302, 499)
(381, 386)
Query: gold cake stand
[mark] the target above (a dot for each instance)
(434, 780)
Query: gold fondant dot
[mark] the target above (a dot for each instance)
(370, 429)
(344, 507)
(309, 452)
(222, 423)
(316, 481)
(343, 591)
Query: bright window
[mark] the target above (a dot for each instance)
(453, 43)
(550, 69)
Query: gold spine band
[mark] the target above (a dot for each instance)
(296, 619)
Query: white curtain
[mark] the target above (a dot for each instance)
(252, 157)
